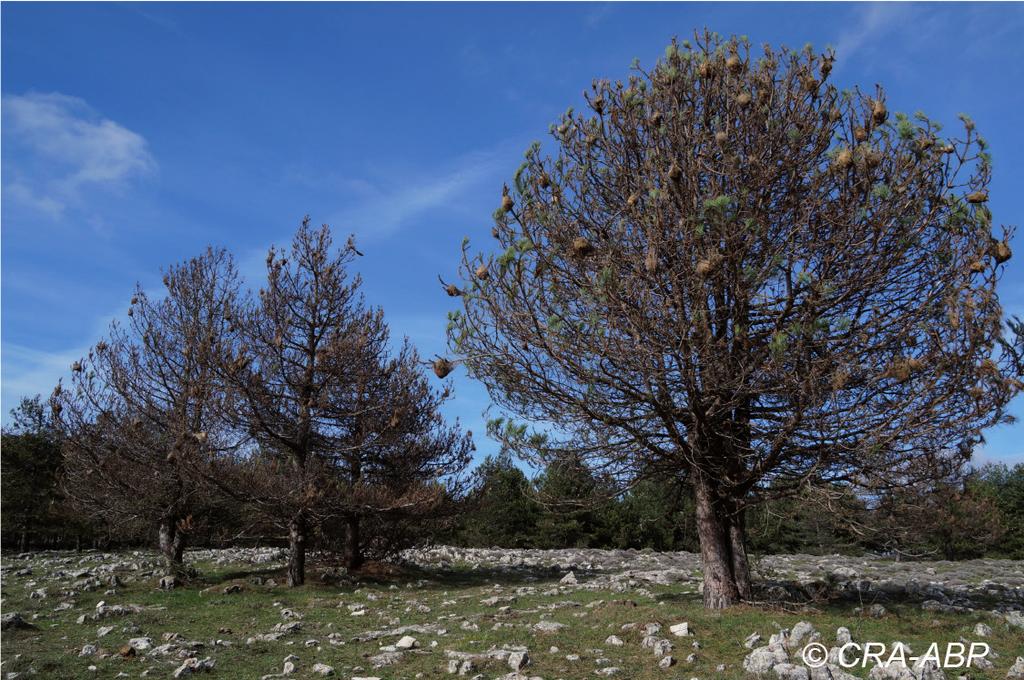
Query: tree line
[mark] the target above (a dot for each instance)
(979, 513)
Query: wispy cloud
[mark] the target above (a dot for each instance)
(24, 195)
(596, 16)
(28, 371)
(872, 21)
(383, 200)
(386, 206)
(983, 456)
(56, 148)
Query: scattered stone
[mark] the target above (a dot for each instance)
(843, 636)
(614, 641)
(463, 667)
(831, 672)
(14, 621)
(385, 659)
(752, 640)
(652, 628)
(788, 671)
(497, 600)
(419, 629)
(549, 627)
(323, 669)
(876, 611)
(193, 666)
(680, 629)
(518, 660)
(763, 659)
(1016, 671)
(140, 644)
(569, 579)
(666, 662)
(936, 606)
(803, 632)
(407, 642)
(843, 573)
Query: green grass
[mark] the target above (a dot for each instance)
(453, 597)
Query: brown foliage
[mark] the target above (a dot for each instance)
(337, 429)
(137, 417)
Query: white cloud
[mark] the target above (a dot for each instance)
(57, 148)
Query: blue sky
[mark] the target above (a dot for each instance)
(135, 134)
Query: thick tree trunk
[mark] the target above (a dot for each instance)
(172, 547)
(353, 544)
(740, 564)
(297, 551)
(720, 589)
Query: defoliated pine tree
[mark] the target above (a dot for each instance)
(142, 411)
(729, 267)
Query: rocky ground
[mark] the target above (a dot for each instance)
(494, 613)
(944, 586)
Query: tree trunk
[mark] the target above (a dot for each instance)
(297, 551)
(178, 549)
(23, 540)
(740, 564)
(172, 547)
(353, 544)
(720, 589)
